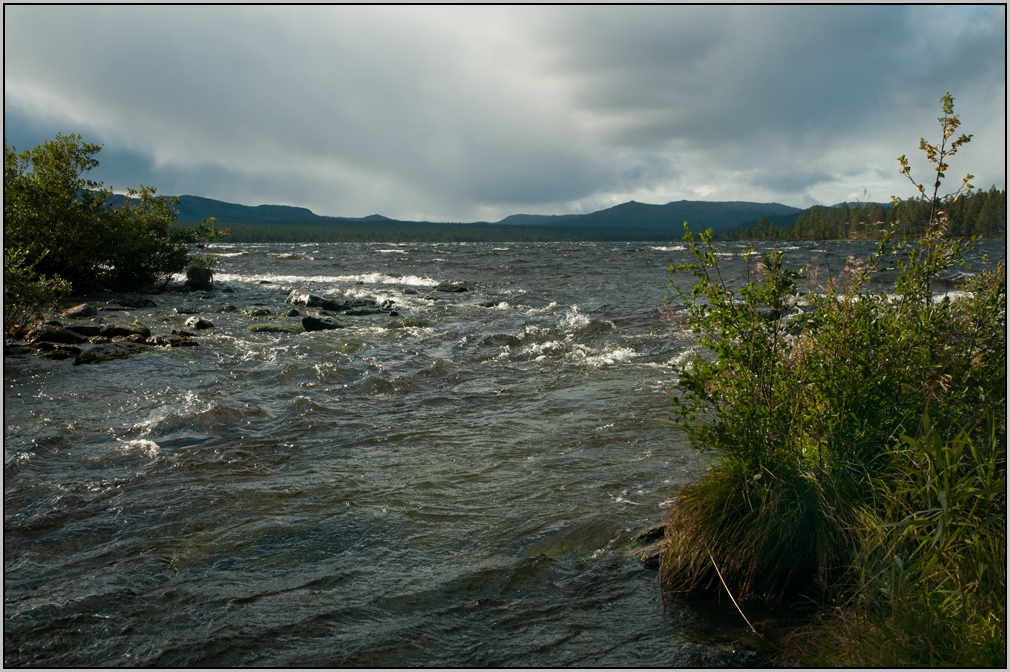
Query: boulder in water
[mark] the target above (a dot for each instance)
(199, 323)
(314, 301)
(57, 350)
(86, 330)
(450, 287)
(199, 277)
(49, 333)
(110, 351)
(82, 310)
(310, 323)
(172, 341)
(123, 329)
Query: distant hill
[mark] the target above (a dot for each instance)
(718, 215)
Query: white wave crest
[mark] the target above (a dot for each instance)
(366, 278)
(141, 446)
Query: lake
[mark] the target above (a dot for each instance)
(458, 484)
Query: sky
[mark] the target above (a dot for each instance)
(476, 113)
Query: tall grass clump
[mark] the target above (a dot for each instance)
(860, 443)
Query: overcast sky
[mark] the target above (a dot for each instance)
(467, 114)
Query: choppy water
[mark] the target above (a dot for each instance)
(461, 492)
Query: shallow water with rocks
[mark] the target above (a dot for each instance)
(459, 483)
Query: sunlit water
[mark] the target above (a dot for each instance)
(462, 491)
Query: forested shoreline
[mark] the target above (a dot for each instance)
(976, 213)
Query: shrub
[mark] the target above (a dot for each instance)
(28, 297)
(826, 413)
(91, 241)
(94, 240)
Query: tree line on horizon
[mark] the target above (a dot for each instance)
(976, 213)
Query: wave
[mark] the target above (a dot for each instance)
(365, 278)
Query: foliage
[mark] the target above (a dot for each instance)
(855, 432)
(28, 297)
(976, 213)
(91, 244)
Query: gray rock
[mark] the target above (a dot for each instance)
(57, 350)
(110, 351)
(86, 330)
(450, 287)
(124, 329)
(199, 323)
(82, 310)
(172, 341)
(186, 310)
(258, 312)
(49, 333)
(314, 301)
(132, 338)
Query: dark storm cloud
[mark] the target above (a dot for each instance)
(478, 113)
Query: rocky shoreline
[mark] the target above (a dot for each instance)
(94, 328)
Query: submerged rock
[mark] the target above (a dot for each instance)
(135, 301)
(57, 350)
(258, 312)
(276, 327)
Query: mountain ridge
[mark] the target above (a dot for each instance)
(719, 215)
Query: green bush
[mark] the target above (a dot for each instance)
(825, 410)
(91, 242)
(28, 297)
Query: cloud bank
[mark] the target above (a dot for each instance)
(465, 114)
